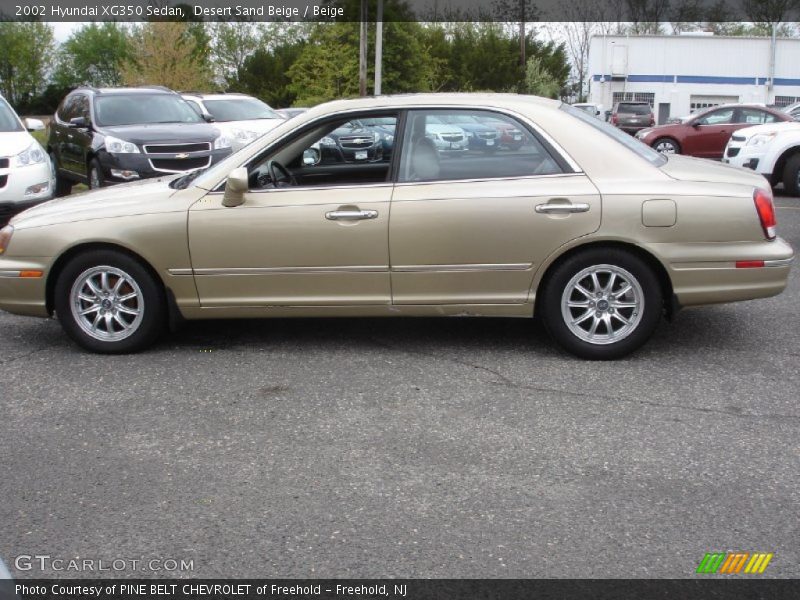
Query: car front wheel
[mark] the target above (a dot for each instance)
(602, 304)
(667, 146)
(95, 175)
(109, 303)
(63, 186)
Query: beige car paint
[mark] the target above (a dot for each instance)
(218, 261)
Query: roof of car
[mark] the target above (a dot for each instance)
(204, 96)
(147, 89)
(444, 99)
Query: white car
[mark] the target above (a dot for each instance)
(773, 150)
(26, 177)
(239, 117)
(448, 139)
(596, 110)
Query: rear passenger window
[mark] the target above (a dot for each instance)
(446, 145)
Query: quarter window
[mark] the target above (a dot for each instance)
(753, 116)
(446, 145)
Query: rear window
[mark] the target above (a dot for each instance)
(634, 109)
(631, 143)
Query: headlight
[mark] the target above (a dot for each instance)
(118, 146)
(761, 138)
(642, 133)
(244, 135)
(222, 142)
(5, 237)
(33, 155)
(327, 141)
(387, 137)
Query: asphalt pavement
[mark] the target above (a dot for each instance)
(405, 448)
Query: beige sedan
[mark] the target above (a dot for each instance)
(582, 225)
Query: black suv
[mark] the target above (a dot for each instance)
(113, 135)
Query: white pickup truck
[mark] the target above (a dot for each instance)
(773, 150)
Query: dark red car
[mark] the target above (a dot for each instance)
(706, 133)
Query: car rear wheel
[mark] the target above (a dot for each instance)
(791, 176)
(95, 175)
(63, 186)
(109, 303)
(602, 304)
(667, 146)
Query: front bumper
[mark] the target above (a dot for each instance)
(15, 183)
(749, 157)
(147, 166)
(23, 295)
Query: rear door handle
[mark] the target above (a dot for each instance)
(553, 208)
(351, 215)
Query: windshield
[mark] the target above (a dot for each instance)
(631, 143)
(8, 119)
(142, 109)
(239, 109)
(634, 109)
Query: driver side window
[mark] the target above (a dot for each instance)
(718, 117)
(347, 152)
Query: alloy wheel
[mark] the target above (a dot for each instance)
(107, 303)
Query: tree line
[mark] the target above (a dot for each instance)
(305, 63)
(284, 64)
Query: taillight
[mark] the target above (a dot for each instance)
(766, 211)
(652, 120)
(614, 119)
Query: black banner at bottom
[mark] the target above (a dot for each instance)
(394, 589)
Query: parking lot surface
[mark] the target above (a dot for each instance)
(407, 448)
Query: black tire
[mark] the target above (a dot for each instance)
(635, 334)
(63, 185)
(791, 176)
(152, 306)
(95, 175)
(666, 142)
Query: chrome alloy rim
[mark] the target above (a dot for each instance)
(602, 304)
(665, 147)
(107, 303)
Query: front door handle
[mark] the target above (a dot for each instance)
(553, 208)
(351, 215)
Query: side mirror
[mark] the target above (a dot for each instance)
(695, 123)
(34, 125)
(208, 118)
(78, 122)
(311, 157)
(235, 187)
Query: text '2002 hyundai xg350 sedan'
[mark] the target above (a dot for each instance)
(582, 225)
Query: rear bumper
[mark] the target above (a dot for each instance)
(716, 278)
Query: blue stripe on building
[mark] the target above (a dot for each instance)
(779, 81)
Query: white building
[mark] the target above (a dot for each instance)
(679, 74)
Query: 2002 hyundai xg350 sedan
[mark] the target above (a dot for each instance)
(583, 225)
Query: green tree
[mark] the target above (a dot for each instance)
(93, 55)
(166, 53)
(264, 74)
(25, 50)
(539, 81)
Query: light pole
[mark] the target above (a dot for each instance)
(362, 52)
(379, 49)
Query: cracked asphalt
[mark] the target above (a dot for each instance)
(407, 448)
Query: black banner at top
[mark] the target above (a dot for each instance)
(625, 11)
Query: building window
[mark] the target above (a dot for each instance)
(782, 101)
(700, 102)
(634, 97)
